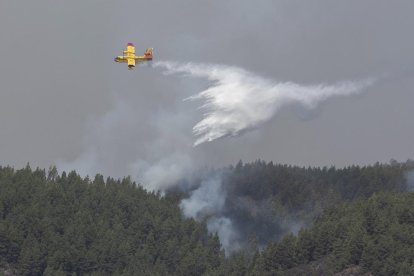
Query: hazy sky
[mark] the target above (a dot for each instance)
(63, 99)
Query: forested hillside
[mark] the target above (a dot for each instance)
(359, 218)
(57, 224)
(266, 201)
(373, 235)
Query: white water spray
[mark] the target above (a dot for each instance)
(238, 100)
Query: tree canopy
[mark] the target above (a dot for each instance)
(358, 219)
(57, 224)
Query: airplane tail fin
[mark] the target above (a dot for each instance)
(148, 53)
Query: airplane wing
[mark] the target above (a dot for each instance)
(120, 59)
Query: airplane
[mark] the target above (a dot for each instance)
(130, 58)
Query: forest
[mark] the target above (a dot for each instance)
(358, 219)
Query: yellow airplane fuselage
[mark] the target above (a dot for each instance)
(130, 58)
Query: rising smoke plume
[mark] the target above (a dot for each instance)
(239, 100)
(207, 203)
(236, 218)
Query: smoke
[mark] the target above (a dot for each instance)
(207, 199)
(228, 235)
(155, 146)
(237, 100)
(236, 218)
(409, 177)
(207, 203)
(153, 149)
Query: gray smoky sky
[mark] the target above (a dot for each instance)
(63, 99)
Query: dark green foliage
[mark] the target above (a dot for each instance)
(376, 234)
(271, 200)
(295, 189)
(55, 225)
